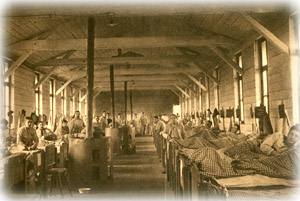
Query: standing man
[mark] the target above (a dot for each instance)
(143, 121)
(27, 136)
(158, 127)
(103, 121)
(76, 124)
(174, 128)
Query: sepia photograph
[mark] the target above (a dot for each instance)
(149, 100)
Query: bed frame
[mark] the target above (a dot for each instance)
(189, 183)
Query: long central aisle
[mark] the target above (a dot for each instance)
(138, 175)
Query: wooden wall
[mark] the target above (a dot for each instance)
(150, 102)
(279, 83)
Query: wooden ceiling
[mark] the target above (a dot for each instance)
(158, 44)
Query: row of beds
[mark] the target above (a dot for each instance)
(188, 182)
(28, 171)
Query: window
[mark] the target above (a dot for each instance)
(52, 99)
(6, 97)
(72, 101)
(263, 64)
(216, 89)
(38, 96)
(79, 101)
(63, 101)
(240, 95)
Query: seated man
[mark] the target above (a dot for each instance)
(44, 133)
(27, 137)
(63, 130)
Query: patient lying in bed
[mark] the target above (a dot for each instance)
(200, 137)
(251, 159)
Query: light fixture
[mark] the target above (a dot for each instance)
(111, 20)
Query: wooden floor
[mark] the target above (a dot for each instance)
(136, 175)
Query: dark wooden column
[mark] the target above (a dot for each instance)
(125, 101)
(112, 91)
(130, 99)
(90, 75)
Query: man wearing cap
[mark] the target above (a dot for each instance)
(27, 136)
(174, 128)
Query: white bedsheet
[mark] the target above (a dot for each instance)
(256, 181)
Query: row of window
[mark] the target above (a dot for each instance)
(7, 96)
(263, 64)
(264, 91)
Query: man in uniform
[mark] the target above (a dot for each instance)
(143, 123)
(27, 136)
(76, 124)
(174, 129)
(158, 127)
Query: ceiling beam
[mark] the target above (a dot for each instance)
(182, 91)
(97, 91)
(175, 92)
(202, 69)
(121, 42)
(83, 97)
(146, 71)
(68, 82)
(125, 60)
(154, 77)
(40, 35)
(187, 85)
(121, 88)
(266, 33)
(48, 75)
(196, 63)
(63, 86)
(226, 59)
(64, 55)
(17, 63)
(196, 81)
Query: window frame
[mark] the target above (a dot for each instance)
(52, 98)
(263, 69)
(240, 88)
(38, 95)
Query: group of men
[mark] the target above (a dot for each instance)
(30, 135)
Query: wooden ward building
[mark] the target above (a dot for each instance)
(187, 101)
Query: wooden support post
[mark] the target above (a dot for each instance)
(96, 93)
(226, 59)
(90, 75)
(177, 94)
(294, 66)
(63, 86)
(17, 63)
(266, 33)
(182, 91)
(196, 81)
(202, 69)
(112, 91)
(47, 76)
(83, 97)
(125, 101)
(130, 99)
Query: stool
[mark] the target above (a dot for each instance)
(58, 176)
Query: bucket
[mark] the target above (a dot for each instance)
(113, 133)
